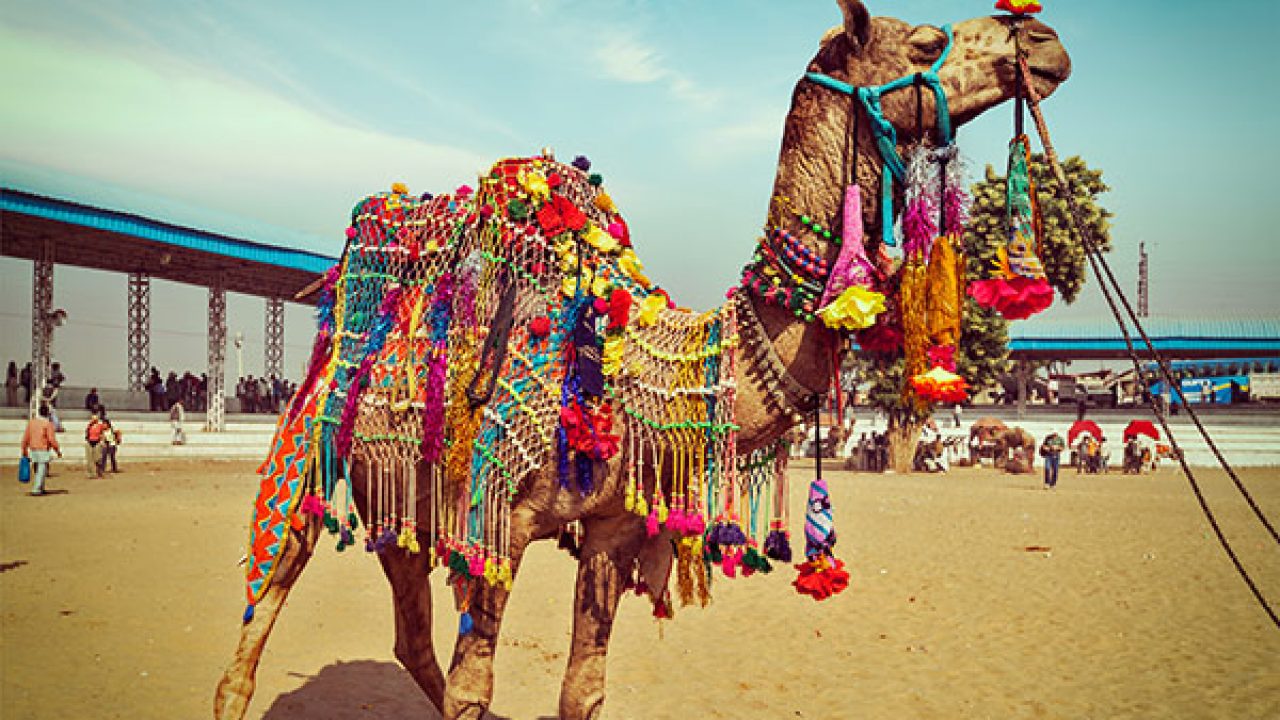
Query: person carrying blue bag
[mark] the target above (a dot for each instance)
(38, 443)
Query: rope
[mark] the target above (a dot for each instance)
(1102, 271)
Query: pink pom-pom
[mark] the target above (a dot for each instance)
(675, 521)
(351, 233)
(729, 563)
(651, 525)
(486, 211)
(616, 230)
(476, 565)
(696, 523)
(463, 191)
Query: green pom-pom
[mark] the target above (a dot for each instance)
(517, 210)
(340, 546)
(713, 552)
(353, 521)
(595, 179)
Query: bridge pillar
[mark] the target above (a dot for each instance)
(41, 322)
(273, 339)
(215, 405)
(139, 328)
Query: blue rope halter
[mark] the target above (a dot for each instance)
(886, 135)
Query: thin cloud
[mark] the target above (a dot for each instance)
(625, 59)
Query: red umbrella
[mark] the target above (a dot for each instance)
(1083, 426)
(1140, 427)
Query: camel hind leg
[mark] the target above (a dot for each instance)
(411, 594)
(609, 551)
(235, 690)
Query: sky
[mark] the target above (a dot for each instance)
(268, 121)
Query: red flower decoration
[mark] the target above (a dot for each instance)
(540, 326)
(1016, 298)
(559, 214)
(943, 356)
(821, 577)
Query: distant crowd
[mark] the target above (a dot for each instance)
(263, 395)
(254, 394)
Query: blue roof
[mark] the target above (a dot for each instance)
(1251, 335)
(72, 213)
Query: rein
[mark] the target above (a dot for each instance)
(886, 136)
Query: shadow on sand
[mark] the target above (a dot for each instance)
(365, 689)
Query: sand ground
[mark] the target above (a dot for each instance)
(121, 599)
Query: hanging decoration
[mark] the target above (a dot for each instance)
(1017, 287)
(1019, 7)
(821, 574)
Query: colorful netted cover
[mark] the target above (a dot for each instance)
(468, 342)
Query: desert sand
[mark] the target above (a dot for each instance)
(974, 595)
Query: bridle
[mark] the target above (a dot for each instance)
(886, 136)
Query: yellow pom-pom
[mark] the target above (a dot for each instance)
(400, 188)
(491, 574)
(856, 308)
(605, 203)
(642, 506)
(662, 511)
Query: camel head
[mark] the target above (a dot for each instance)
(979, 73)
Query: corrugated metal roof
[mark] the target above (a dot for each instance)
(64, 211)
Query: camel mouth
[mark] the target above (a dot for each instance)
(1055, 74)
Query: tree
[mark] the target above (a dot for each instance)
(982, 356)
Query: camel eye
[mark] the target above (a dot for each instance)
(926, 42)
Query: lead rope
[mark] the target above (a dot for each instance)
(1102, 271)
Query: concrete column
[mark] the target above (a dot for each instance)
(139, 328)
(215, 413)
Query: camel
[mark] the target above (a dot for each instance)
(814, 166)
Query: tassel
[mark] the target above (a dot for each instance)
(465, 623)
(475, 566)
(248, 614)
(651, 525)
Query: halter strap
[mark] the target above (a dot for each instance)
(870, 97)
(885, 134)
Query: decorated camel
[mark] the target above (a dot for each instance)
(493, 367)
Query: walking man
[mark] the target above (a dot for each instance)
(1051, 450)
(38, 442)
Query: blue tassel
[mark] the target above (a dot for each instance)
(248, 614)
(465, 624)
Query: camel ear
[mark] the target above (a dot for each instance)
(857, 22)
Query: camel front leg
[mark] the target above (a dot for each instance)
(235, 690)
(610, 548)
(411, 594)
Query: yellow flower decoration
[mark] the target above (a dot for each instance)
(605, 203)
(601, 240)
(535, 184)
(856, 308)
(569, 285)
(632, 266)
(649, 310)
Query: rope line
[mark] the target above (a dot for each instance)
(1106, 282)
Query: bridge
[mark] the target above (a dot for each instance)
(1173, 338)
(49, 231)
